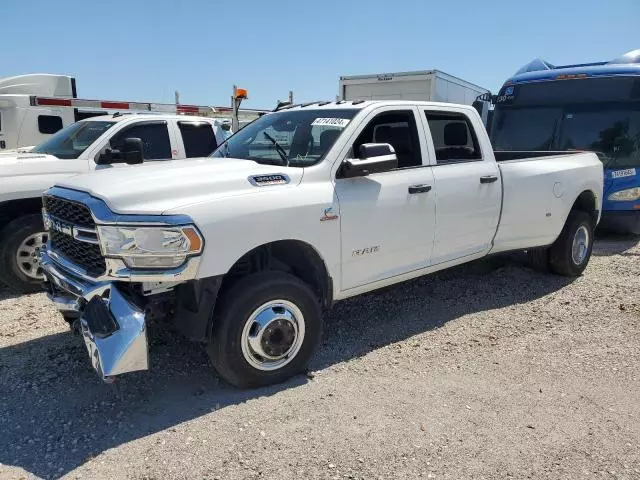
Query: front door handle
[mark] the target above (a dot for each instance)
(488, 179)
(419, 188)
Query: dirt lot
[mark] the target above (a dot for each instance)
(485, 371)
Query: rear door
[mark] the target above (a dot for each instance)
(467, 185)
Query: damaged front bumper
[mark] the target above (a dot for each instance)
(112, 325)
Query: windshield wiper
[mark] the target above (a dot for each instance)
(281, 151)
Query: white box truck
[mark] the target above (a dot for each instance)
(428, 85)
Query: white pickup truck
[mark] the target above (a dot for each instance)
(80, 148)
(304, 207)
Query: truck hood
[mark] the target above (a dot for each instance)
(155, 187)
(16, 151)
(27, 175)
(24, 163)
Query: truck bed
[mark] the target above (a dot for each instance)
(538, 194)
(507, 155)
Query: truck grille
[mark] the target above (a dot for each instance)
(83, 254)
(71, 212)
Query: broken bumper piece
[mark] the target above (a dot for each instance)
(115, 334)
(113, 327)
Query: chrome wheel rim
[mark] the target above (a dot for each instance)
(273, 335)
(580, 245)
(28, 255)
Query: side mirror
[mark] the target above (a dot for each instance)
(131, 153)
(374, 158)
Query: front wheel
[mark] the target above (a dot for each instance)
(21, 241)
(266, 330)
(570, 253)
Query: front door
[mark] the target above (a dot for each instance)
(387, 218)
(156, 142)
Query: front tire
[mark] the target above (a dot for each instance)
(21, 240)
(266, 329)
(570, 253)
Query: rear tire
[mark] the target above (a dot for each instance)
(538, 259)
(570, 253)
(266, 329)
(20, 242)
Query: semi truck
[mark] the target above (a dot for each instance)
(244, 251)
(23, 124)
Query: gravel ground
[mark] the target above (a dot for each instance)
(485, 371)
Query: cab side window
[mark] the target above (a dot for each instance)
(453, 137)
(154, 136)
(198, 138)
(398, 128)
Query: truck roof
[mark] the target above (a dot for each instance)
(540, 70)
(361, 104)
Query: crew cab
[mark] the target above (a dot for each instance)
(78, 148)
(304, 207)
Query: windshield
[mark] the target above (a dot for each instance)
(70, 142)
(521, 129)
(600, 115)
(612, 131)
(298, 138)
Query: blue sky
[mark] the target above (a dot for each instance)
(144, 50)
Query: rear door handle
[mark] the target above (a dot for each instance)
(419, 188)
(488, 179)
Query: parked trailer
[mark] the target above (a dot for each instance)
(429, 85)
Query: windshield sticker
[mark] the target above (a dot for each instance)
(508, 95)
(331, 122)
(629, 172)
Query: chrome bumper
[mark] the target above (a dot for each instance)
(113, 327)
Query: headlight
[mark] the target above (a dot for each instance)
(150, 247)
(628, 195)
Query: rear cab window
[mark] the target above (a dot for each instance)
(198, 138)
(454, 139)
